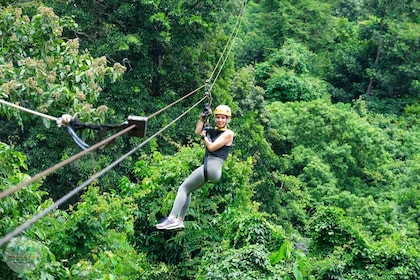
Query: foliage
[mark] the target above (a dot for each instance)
(397, 41)
(324, 139)
(378, 55)
(158, 39)
(395, 257)
(44, 72)
(348, 61)
(243, 254)
(16, 208)
(156, 191)
(304, 21)
(330, 229)
(251, 229)
(252, 44)
(287, 74)
(288, 199)
(313, 189)
(249, 262)
(93, 237)
(368, 210)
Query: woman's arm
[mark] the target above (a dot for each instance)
(225, 139)
(199, 127)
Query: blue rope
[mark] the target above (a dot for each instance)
(77, 139)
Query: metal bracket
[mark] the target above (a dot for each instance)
(141, 126)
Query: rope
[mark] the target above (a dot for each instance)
(78, 124)
(63, 163)
(76, 138)
(28, 110)
(63, 199)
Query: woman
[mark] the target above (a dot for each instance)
(218, 143)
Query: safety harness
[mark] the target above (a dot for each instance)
(213, 133)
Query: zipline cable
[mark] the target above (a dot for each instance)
(228, 44)
(230, 47)
(79, 142)
(86, 183)
(175, 102)
(63, 163)
(63, 199)
(232, 36)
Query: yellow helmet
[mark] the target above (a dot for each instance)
(223, 110)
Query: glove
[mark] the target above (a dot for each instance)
(206, 112)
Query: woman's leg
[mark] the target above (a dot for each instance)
(183, 197)
(193, 182)
(214, 169)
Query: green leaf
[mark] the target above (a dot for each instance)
(283, 254)
(46, 122)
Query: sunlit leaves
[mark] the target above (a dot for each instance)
(44, 72)
(289, 74)
(341, 139)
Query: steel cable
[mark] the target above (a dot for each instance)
(63, 199)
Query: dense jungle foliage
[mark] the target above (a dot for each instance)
(324, 178)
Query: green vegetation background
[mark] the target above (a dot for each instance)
(324, 178)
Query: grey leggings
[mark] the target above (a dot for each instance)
(195, 181)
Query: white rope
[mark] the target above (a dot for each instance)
(28, 110)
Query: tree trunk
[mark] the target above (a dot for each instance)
(378, 55)
(157, 80)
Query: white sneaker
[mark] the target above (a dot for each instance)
(170, 224)
(164, 222)
(176, 224)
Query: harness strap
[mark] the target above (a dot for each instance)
(205, 167)
(206, 155)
